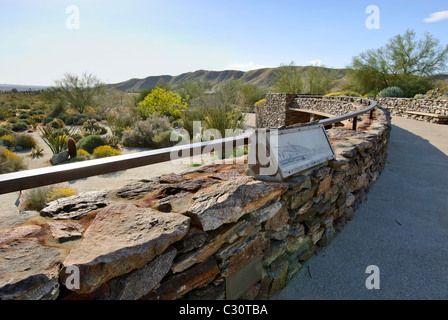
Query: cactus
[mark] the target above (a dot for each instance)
(71, 146)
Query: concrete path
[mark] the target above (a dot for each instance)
(403, 229)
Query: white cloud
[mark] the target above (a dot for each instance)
(246, 66)
(316, 63)
(437, 16)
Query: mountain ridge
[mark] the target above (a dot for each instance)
(259, 77)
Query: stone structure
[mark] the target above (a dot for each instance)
(285, 109)
(180, 236)
(429, 110)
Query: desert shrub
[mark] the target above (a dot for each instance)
(81, 155)
(7, 140)
(105, 151)
(142, 133)
(391, 92)
(223, 118)
(163, 139)
(162, 102)
(23, 115)
(92, 127)
(26, 141)
(12, 120)
(58, 193)
(89, 143)
(37, 152)
(112, 140)
(4, 130)
(189, 116)
(10, 162)
(57, 124)
(82, 152)
(4, 112)
(259, 103)
(37, 198)
(19, 126)
(76, 119)
(419, 96)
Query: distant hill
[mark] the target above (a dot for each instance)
(260, 77)
(9, 87)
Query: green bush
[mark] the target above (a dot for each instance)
(26, 141)
(37, 198)
(5, 130)
(75, 119)
(19, 126)
(391, 92)
(89, 143)
(142, 133)
(57, 124)
(10, 162)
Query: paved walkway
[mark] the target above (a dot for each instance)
(403, 229)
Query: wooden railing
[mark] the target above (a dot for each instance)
(28, 179)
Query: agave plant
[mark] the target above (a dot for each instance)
(56, 139)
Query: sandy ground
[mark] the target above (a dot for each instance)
(9, 202)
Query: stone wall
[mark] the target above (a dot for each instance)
(284, 109)
(180, 236)
(400, 106)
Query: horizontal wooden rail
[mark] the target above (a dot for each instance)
(28, 179)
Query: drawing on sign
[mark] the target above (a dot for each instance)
(300, 148)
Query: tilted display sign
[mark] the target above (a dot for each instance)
(298, 149)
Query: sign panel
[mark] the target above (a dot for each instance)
(298, 149)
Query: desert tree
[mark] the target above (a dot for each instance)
(78, 92)
(288, 79)
(404, 61)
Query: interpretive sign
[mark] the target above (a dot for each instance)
(298, 149)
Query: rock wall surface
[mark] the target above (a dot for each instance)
(180, 236)
(277, 113)
(402, 106)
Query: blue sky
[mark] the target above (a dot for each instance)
(118, 40)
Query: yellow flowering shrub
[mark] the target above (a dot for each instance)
(82, 152)
(7, 139)
(261, 102)
(105, 151)
(9, 161)
(57, 193)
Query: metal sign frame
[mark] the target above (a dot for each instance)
(300, 148)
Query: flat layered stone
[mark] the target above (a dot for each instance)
(140, 282)
(180, 284)
(120, 239)
(66, 231)
(29, 270)
(75, 207)
(228, 201)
